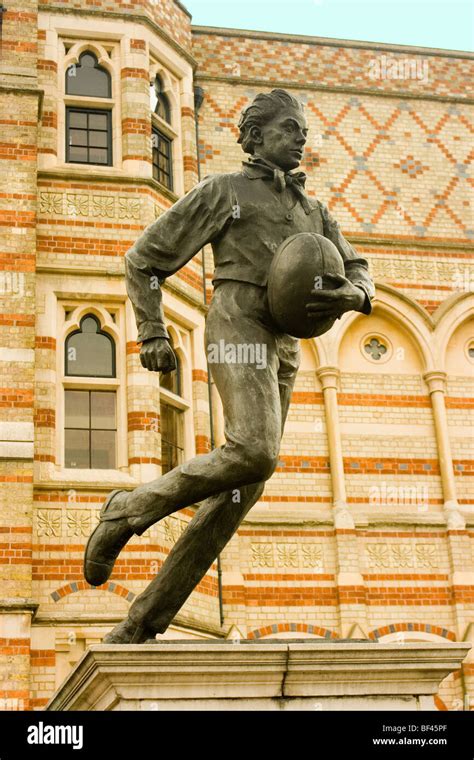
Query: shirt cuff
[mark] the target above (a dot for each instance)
(150, 329)
(366, 307)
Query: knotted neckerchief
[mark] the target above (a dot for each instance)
(295, 181)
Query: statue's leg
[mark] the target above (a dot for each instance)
(249, 392)
(250, 400)
(207, 533)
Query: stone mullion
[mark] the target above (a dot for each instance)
(349, 579)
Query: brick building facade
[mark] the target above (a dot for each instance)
(367, 527)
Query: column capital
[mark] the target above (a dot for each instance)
(328, 376)
(436, 380)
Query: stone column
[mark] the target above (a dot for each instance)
(349, 579)
(436, 382)
(459, 549)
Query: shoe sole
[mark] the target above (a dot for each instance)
(90, 561)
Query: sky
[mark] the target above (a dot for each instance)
(429, 23)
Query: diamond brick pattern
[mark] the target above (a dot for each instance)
(362, 156)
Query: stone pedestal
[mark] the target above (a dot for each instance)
(271, 675)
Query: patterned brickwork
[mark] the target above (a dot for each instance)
(284, 59)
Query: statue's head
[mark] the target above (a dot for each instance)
(274, 127)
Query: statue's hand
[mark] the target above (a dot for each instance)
(157, 355)
(333, 303)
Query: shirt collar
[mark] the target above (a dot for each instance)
(256, 168)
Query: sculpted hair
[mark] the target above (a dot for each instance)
(263, 108)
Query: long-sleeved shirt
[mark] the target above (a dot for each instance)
(245, 218)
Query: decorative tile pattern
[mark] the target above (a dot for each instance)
(409, 555)
(286, 555)
(82, 204)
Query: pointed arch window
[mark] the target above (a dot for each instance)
(88, 78)
(162, 134)
(159, 101)
(90, 352)
(90, 429)
(88, 126)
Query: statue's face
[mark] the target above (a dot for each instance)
(281, 140)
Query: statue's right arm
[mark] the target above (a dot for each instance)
(164, 247)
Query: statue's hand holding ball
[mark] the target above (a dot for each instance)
(307, 286)
(341, 296)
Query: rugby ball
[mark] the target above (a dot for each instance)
(298, 267)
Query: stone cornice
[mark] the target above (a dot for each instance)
(19, 606)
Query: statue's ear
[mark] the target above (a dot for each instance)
(256, 135)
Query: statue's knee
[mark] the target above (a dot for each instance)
(262, 463)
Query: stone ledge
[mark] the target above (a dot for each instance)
(272, 675)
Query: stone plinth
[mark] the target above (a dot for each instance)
(271, 675)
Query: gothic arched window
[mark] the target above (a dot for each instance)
(159, 101)
(88, 128)
(89, 351)
(162, 142)
(88, 78)
(90, 428)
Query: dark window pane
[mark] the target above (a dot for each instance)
(77, 119)
(161, 158)
(170, 457)
(88, 59)
(98, 139)
(103, 410)
(76, 409)
(90, 353)
(88, 78)
(78, 154)
(98, 156)
(76, 448)
(77, 137)
(88, 145)
(97, 121)
(103, 449)
(171, 437)
(172, 380)
(159, 101)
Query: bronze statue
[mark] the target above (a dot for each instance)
(245, 215)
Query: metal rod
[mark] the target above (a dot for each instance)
(198, 100)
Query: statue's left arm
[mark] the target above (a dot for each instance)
(356, 268)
